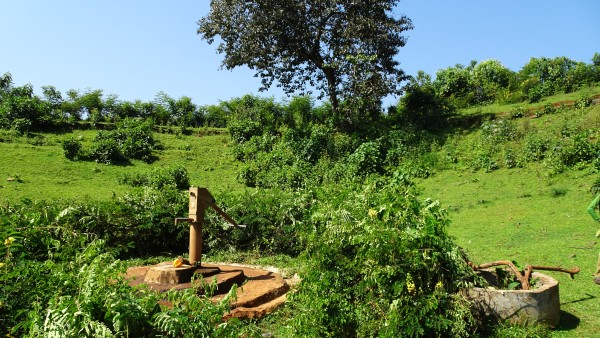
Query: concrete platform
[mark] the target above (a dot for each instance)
(259, 291)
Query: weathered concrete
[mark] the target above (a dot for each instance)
(167, 274)
(541, 305)
(259, 291)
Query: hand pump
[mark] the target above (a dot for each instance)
(200, 200)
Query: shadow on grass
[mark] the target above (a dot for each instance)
(586, 298)
(567, 322)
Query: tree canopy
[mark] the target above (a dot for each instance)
(345, 49)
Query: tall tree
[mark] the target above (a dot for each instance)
(343, 48)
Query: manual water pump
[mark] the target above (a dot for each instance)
(200, 200)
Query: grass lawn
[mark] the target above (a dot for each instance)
(41, 171)
(524, 216)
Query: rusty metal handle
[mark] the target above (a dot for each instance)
(227, 218)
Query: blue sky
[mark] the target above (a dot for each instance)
(136, 48)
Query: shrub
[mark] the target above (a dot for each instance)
(571, 151)
(132, 139)
(21, 126)
(105, 149)
(273, 230)
(497, 131)
(243, 131)
(171, 177)
(88, 296)
(517, 112)
(584, 100)
(366, 159)
(381, 264)
(72, 148)
(535, 147)
(135, 139)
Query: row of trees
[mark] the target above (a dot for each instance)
(490, 81)
(426, 99)
(425, 102)
(21, 108)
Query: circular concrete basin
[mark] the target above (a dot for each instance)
(540, 305)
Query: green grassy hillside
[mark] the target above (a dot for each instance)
(531, 212)
(514, 179)
(35, 168)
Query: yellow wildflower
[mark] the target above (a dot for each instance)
(439, 286)
(9, 241)
(372, 213)
(2, 265)
(410, 285)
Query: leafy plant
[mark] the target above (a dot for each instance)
(105, 149)
(72, 148)
(381, 263)
(160, 178)
(132, 139)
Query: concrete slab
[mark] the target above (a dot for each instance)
(259, 291)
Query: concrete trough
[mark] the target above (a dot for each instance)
(540, 305)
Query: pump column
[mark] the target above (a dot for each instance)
(196, 216)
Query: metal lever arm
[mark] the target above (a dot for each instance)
(224, 215)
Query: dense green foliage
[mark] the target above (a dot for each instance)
(425, 103)
(84, 294)
(377, 259)
(381, 264)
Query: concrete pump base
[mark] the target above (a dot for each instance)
(262, 293)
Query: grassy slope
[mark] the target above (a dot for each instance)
(531, 217)
(44, 173)
(517, 214)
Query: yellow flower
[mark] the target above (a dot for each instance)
(372, 213)
(439, 286)
(9, 241)
(2, 265)
(178, 262)
(410, 285)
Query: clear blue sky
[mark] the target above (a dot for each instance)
(136, 48)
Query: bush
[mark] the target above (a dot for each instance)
(243, 131)
(381, 264)
(571, 151)
(132, 139)
(535, 147)
(72, 148)
(88, 296)
(366, 159)
(273, 230)
(171, 177)
(105, 149)
(21, 126)
(584, 100)
(135, 139)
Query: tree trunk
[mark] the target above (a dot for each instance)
(331, 88)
